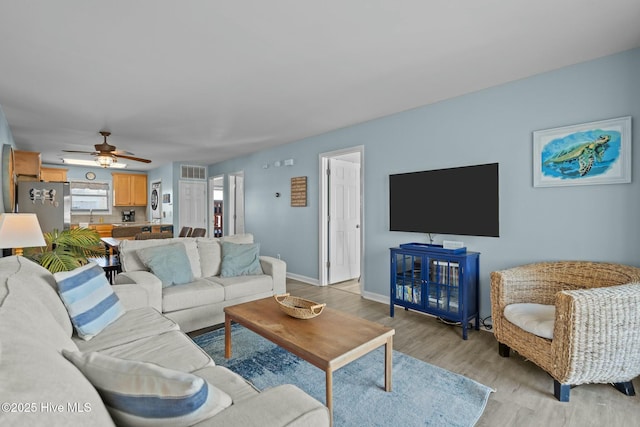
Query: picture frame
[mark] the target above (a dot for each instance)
(585, 154)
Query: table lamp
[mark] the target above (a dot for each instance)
(20, 231)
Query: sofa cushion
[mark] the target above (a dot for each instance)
(238, 238)
(130, 261)
(537, 319)
(168, 262)
(35, 373)
(90, 301)
(132, 326)
(39, 285)
(243, 286)
(228, 381)
(194, 294)
(210, 253)
(145, 394)
(173, 350)
(240, 259)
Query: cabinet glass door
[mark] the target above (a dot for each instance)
(408, 276)
(443, 285)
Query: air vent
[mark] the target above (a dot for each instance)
(193, 172)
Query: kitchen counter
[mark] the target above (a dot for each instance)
(125, 229)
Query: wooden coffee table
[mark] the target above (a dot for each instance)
(328, 341)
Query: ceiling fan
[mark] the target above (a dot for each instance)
(106, 154)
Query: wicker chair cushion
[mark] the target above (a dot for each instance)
(537, 319)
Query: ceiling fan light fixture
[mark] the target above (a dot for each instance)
(78, 162)
(105, 161)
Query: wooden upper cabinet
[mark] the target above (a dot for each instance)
(139, 190)
(53, 174)
(129, 189)
(27, 163)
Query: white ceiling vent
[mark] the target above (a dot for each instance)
(193, 172)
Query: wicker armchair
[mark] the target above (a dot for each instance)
(596, 332)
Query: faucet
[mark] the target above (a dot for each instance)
(90, 216)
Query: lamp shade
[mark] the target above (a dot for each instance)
(20, 231)
(105, 161)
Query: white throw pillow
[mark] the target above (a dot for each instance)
(537, 319)
(90, 301)
(145, 394)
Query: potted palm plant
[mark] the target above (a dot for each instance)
(66, 249)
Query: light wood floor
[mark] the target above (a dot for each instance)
(523, 392)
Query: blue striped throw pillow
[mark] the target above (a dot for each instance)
(89, 299)
(145, 394)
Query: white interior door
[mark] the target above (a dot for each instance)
(193, 204)
(240, 204)
(344, 220)
(236, 203)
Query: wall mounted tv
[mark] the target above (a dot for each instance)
(462, 200)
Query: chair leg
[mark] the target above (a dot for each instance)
(561, 391)
(503, 350)
(626, 388)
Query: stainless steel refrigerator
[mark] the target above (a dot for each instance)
(50, 201)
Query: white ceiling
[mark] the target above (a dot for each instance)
(206, 80)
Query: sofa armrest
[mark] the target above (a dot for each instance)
(132, 296)
(277, 269)
(598, 329)
(284, 405)
(145, 280)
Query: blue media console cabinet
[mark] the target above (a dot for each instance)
(437, 281)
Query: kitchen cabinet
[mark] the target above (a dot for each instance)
(129, 189)
(53, 174)
(104, 230)
(27, 163)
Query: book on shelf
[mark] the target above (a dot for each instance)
(444, 272)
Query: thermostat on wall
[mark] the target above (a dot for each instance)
(452, 244)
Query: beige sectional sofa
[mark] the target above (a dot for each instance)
(200, 303)
(40, 387)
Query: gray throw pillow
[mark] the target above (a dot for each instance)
(169, 263)
(240, 259)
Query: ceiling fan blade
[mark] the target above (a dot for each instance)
(137, 159)
(76, 151)
(122, 152)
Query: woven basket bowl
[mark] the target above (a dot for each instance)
(299, 308)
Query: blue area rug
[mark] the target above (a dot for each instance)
(422, 394)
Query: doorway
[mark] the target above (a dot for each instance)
(216, 186)
(192, 204)
(154, 200)
(236, 203)
(341, 225)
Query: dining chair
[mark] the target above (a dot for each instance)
(198, 232)
(185, 232)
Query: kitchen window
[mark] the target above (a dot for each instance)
(89, 197)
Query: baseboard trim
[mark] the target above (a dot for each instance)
(305, 279)
(375, 297)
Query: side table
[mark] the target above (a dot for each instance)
(110, 264)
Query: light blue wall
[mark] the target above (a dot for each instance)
(599, 222)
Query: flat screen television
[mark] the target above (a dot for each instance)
(461, 200)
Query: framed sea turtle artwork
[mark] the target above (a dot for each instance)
(585, 154)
